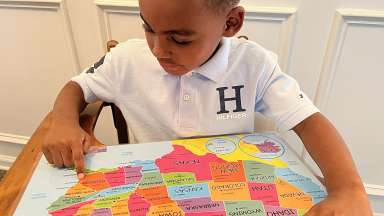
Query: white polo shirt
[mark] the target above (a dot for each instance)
(220, 97)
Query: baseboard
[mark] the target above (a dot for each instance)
(6, 161)
(374, 190)
(10, 146)
(13, 138)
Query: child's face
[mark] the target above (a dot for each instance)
(182, 34)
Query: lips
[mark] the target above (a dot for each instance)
(168, 65)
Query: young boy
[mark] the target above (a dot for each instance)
(193, 79)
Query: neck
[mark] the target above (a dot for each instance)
(213, 53)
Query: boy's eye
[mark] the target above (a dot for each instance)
(147, 29)
(180, 42)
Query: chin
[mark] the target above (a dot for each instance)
(176, 72)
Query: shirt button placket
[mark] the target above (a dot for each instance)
(188, 117)
(186, 97)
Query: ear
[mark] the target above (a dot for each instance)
(234, 21)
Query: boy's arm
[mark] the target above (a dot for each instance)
(69, 103)
(346, 194)
(66, 142)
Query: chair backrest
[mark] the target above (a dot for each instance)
(111, 44)
(118, 118)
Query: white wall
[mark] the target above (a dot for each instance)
(332, 47)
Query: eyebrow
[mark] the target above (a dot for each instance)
(183, 32)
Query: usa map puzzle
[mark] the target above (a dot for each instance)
(254, 174)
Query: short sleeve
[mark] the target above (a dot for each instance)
(282, 100)
(97, 81)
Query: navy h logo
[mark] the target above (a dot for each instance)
(237, 98)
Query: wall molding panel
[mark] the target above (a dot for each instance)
(107, 7)
(41, 4)
(343, 19)
(286, 16)
(60, 6)
(13, 142)
(117, 3)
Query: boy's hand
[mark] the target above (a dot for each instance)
(65, 146)
(348, 202)
(346, 194)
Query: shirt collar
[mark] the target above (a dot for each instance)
(215, 68)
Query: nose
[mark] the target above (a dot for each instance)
(161, 48)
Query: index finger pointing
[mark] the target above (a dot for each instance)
(78, 159)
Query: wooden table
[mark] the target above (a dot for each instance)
(17, 178)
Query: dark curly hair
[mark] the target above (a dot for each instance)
(221, 6)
